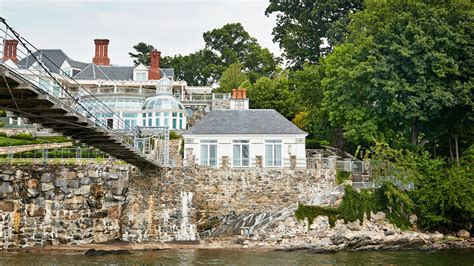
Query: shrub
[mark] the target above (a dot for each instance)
(174, 135)
(3, 134)
(22, 136)
(354, 205)
(313, 144)
(3, 113)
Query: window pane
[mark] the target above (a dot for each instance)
(204, 155)
(277, 154)
(245, 155)
(212, 155)
(236, 155)
(268, 155)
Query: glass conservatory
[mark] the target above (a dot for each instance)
(163, 110)
(160, 110)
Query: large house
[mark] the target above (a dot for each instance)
(142, 96)
(241, 138)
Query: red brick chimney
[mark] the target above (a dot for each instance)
(101, 52)
(9, 50)
(154, 71)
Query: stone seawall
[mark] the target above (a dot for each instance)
(56, 205)
(73, 205)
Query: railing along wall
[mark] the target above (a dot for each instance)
(60, 87)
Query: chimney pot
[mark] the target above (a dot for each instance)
(101, 52)
(244, 93)
(9, 50)
(234, 93)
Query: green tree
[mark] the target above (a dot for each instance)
(402, 66)
(274, 93)
(223, 47)
(233, 44)
(197, 69)
(232, 78)
(302, 27)
(142, 55)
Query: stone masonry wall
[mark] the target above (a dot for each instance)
(60, 204)
(55, 205)
(155, 209)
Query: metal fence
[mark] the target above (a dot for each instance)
(54, 155)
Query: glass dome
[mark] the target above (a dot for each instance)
(162, 102)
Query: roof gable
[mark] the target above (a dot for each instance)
(51, 58)
(251, 121)
(91, 72)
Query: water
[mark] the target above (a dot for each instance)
(239, 257)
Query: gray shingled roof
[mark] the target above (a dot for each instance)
(76, 64)
(118, 72)
(91, 71)
(56, 59)
(252, 121)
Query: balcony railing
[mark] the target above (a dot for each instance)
(121, 90)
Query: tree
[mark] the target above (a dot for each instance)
(232, 78)
(274, 93)
(223, 47)
(402, 66)
(232, 44)
(197, 69)
(303, 26)
(143, 53)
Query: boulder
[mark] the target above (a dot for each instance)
(413, 218)
(463, 234)
(46, 177)
(379, 216)
(6, 188)
(46, 186)
(74, 203)
(354, 226)
(60, 182)
(32, 193)
(7, 206)
(6, 177)
(32, 183)
(85, 181)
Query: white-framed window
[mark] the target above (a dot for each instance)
(208, 153)
(240, 153)
(130, 120)
(273, 153)
(141, 76)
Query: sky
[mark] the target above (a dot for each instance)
(173, 27)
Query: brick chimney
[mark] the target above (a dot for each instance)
(154, 71)
(9, 50)
(101, 52)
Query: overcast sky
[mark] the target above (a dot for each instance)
(173, 27)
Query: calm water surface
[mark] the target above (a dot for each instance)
(230, 257)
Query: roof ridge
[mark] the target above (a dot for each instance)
(83, 70)
(102, 72)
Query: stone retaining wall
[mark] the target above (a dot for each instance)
(60, 204)
(44, 205)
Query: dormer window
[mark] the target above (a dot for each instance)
(140, 73)
(141, 76)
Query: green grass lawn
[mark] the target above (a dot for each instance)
(9, 141)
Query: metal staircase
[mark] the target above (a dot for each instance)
(22, 93)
